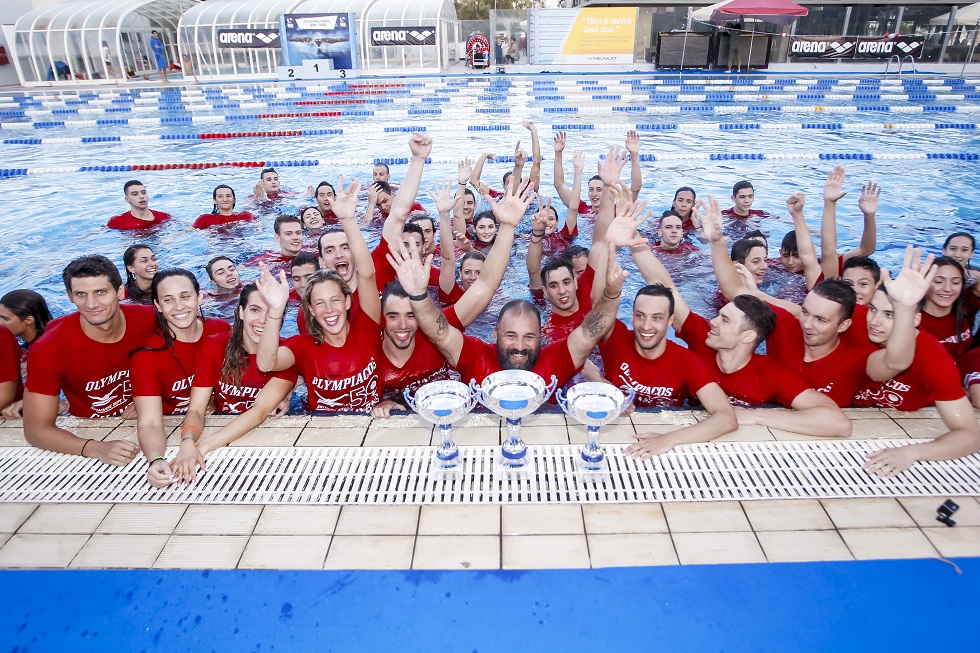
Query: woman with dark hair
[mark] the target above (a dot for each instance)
(960, 246)
(25, 314)
(311, 218)
(225, 367)
(945, 314)
(141, 264)
(163, 368)
(223, 211)
(484, 230)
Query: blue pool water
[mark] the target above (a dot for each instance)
(46, 219)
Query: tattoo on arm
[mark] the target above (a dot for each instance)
(442, 325)
(595, 323)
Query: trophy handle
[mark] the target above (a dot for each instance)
(628, 399)
(409, 399)
(550, 388)
(561, 399)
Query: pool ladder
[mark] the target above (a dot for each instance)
(900, 61)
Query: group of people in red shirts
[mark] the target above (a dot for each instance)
(368, 326)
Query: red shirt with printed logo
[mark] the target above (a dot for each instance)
(944, 329)
(670, 379)
(344, 378)
(161, 371)
(93, 375)
(229, 397)
(478, 359)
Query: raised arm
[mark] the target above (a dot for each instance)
(729, 280)
(464, 172)
(520, 158)
(653, 271)
(905, 291)
(868, 203)
(41, 431)
(535, 247)
(832, 192)
(535, 174)
(480, 187)
(447, 252)
(401, 203)
(804, 244)
(600, 319)
(414, 277)
(564, 192)
(636, 175)
(270, 356)
(509, 213)
(571, 216)
(344, 206)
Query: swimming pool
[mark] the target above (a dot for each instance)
(783, 134)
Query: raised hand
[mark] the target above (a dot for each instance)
(913, 280)
(274, 292)
(622, 231)
(444, 203)
(712, 218)
(512, 208)
(520, 156)
(560, 141)
(460, 241)
(528, 125)
(413, 273)
(747, 277)
(538, 224)
(421, 145)
(344, 204)
(868, 202)
(633, 143)
(578, 160)
(465, 169)
(259, 191)
(613, 165)
(832, 188)
(794, 203)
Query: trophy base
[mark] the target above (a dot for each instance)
(592, 471)
(504, 468)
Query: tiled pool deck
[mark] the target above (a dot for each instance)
(536, 536)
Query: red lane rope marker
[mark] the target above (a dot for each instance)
(312, 102)
(293, 132)
(311, 114)
(199, 166)
(352, 93)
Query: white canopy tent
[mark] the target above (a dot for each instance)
(965, 17)
(199, 26)
(62, 43)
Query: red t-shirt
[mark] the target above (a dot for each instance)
(228, 397)
(159, 371)
(671, 379)
(478, 359)
(932, 377)
(559, 241)
(10, 357)
(129, 221)
(214, 219)
(558, 326)
(730, 213)
(944, 329)
(839, 375)
(452, 296)
(424, 365)
(763, 380)
(857, 334)
(970, 367)
(275, 261)
(341, 378)
(93, 375)
(683, 247)
(383, 272)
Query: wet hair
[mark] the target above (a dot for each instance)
(382, 186)
(266, 170)
(657, 290)
(133, 291)
(959, 310)
(789, 246)
(327, 232)
(302, 220)
(960, 234)
(865, 263)
(596, 178)
(485, 215)
(283, 219)
(419, 217)
(27, 303)
(321, 276)
(469, 191)
(553, 264)
(472, 254)
(757, 234)
(572, 252)
(742, 248)
(214, 196)
(236, 357)
(507, 175)
(393, 289)
(759, 317)
(163, 328)
(209, 268)
(519, 307)
(129, 184)
(412, 228)
(670, 213)
(839, 292)
(305, 258)
(321, 185)
(742, 185)
(91, 266)
(383, 165)
(685, 188)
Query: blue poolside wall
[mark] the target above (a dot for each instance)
(908, 605)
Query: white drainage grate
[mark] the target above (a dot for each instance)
(400, 475)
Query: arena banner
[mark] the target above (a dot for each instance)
(248, 38)
(865, 47)
(422, 35)
(324, 37)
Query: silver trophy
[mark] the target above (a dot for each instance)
(443, 403)
(594, 404)
(513, 394)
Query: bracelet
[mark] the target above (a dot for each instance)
(190, 426)
(82, 452)
(608, 297)
(419, 298)
(539, 235)
(163, 458)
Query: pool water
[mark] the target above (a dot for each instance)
(50, 217)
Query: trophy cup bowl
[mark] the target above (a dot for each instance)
(594, 404)
(443, 403)
(513, 394)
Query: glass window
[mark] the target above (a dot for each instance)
(873, 20)
(823, 21)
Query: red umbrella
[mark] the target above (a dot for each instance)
(780, 12)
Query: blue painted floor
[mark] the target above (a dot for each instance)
(908, 605)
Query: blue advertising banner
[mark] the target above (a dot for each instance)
(325, 37)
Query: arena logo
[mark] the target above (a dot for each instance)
(248, 38)
(423, 35)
